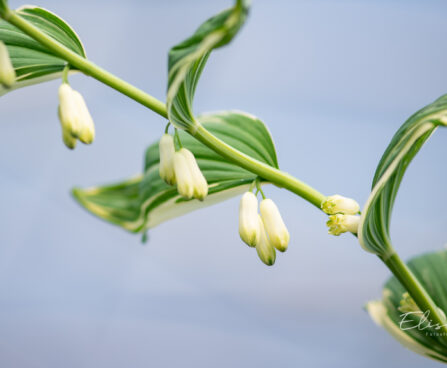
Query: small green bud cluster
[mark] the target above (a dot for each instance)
(181, 168)
(265, 231)
(343, 214)
(7, 72)
(75, 119)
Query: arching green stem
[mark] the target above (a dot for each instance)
(267, 172)
(86, 66)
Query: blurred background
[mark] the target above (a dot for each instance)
(332, 79)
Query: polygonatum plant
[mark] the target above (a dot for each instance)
(202, 159)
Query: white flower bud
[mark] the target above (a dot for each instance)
(249, 229)
(68, 111)
(339, 204)
(274, 225)
(167, 150)
(76, 121)
(339, 224)
(68, 139)
(185, 183)
(264, 248)
(86, 126)
(199, 181)
(7, 72)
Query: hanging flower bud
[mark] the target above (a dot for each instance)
(339, 204)
(200, 186)
(339, 224)
(7, 72)
(264, 248)
(167, 150)
(76, 121)
(249, 229)
(86, 126)
(274, 225)
(67, 138)
(68, 114)
(185, 183)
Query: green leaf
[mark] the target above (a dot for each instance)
(187, 60)
(431, 271)
(33, 62)
(374, 228)
(147, 201)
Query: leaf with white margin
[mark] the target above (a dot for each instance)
(374, 228)
(431, 271)
(146, 201)
(32, 61)
(187, 60)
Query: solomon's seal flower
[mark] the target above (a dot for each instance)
(339, 224)
(274, 225)
(339, 204)
(249, 227)
(7, 72)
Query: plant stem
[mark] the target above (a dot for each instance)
(267, 172)
(86, 66)
(415, 289)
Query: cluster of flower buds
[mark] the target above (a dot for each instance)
(343, 214)
(266, 231)
(76, 121)
(7, 72)
(181, 168)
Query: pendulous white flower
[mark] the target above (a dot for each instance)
(274, 225)
(68, 114)
(249, 228)
(264, 248)
(67, 137)
(185, 182)
(86, 126)
(76, 121)
(7, 72)
(339, 204)
(339, 224)
(167, 151)
(200, 184)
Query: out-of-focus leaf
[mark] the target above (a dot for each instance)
(147, 201)
(406, 326)
(374, 228)
(33, 62)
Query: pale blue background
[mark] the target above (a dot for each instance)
(332, 79)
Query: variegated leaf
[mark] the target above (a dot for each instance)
(374, 228)
(33, 62)
(187, 60)
(147, 201)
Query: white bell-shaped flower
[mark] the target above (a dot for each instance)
(7, 72)
(185, 183)
(167, 151)
(339, 224)
(200, 184)
(76, 121)
(274, 225)
(86, 126)
(264, 248)
(339, 204)
(249, 228)
(67, 137)
(68, 113)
